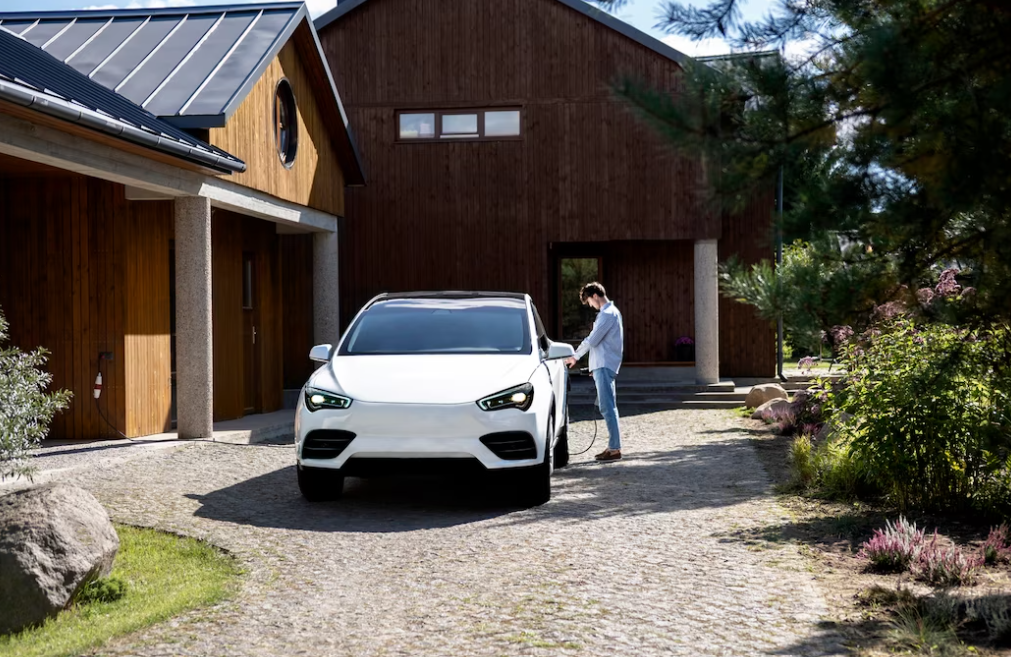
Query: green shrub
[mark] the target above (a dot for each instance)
(26, 409)
(826, 468)
(106, 589)
(930, 414)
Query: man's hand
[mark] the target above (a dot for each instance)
(571, 362)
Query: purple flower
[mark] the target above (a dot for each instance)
(841, 334)
(890, 310)
(684, 339)
(946, 285)
(925, 295)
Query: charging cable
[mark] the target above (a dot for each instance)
(586, 372)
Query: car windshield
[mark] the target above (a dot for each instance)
(441, 326)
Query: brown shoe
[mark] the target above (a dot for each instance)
(610, 455)
(604, 453)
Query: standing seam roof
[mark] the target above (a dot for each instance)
(191, 66)
(31, 78)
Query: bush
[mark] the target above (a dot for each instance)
(895, 548)
(25, 408)
(826, 469)
(942, 565)
(108, 589)
(997, 546)
(930, 425)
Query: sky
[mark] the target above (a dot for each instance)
(640, 13)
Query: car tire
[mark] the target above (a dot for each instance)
(536, 489)
(319, 484)
(562, 446)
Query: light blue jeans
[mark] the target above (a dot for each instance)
(608, 405)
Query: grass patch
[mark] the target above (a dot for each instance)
(163, 575)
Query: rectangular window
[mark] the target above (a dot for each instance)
(459, 124)
(417, 126)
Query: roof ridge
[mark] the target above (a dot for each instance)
(345, 7)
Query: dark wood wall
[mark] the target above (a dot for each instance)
(747, 343)
(297, 320)
(487, 214)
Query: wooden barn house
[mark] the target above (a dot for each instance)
(171, 186)
(499, 158)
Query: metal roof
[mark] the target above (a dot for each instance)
(597, 14)
(192, 66)
(31, 78)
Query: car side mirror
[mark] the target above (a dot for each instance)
(320, 353)
(560, 350)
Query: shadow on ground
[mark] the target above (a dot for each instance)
(709, 475)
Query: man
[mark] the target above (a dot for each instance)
(606, 343)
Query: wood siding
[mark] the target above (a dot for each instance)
(297, 322)
(315, 179)
(493, 214)
(78, 276)
(747, 343)
(231, 235)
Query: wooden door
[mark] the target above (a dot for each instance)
(251, 366)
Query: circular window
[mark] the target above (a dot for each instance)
(285, 123)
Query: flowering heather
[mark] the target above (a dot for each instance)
(925, 295)
(946, 285)
(997, 546)
(889, 310)
(841, 334)
(806, 364)
(894, 548)
(946, 565)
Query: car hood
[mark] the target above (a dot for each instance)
(423, 379)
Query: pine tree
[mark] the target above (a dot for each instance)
(894, 131)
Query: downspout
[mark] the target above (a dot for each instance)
(779, 263)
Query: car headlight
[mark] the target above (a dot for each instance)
(316, 399)
(519, 397)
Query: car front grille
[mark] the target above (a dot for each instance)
(511, 445)
(326, 443)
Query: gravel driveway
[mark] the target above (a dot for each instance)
(642, 557)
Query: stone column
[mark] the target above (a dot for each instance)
(707, 313)
(325, 290)
(194, 329)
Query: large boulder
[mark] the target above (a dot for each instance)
(53, 539)
(769, 405)
(763, 393)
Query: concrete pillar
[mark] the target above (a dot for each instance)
(325, 290)
(194, 330)
(707, 313)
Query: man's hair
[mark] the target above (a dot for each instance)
(590, 289)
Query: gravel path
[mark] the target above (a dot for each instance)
(641, 557)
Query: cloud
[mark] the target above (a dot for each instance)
(320, 7)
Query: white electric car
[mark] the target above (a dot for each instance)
(436, 382)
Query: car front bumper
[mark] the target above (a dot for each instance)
(369, 436)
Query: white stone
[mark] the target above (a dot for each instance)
(769, 405)
(53, 539)
(763, 393)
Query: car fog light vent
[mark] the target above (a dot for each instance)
(326, 443)
(511, 445)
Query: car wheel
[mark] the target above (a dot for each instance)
(562, 446)
(536, 490)
(319, 484)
